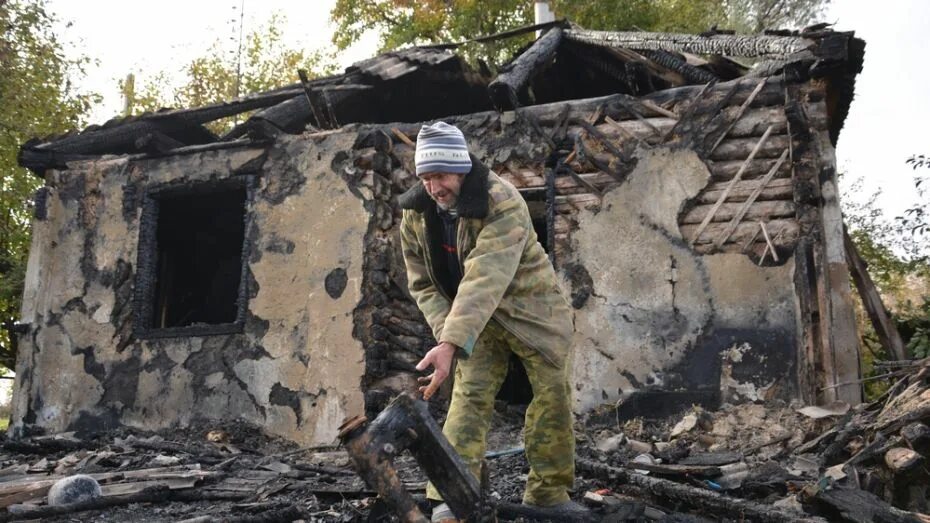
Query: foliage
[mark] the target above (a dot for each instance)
(402, 22)
(917, 219)
(897, 259)
(264, 63)
(405, 22)
(754, 16)
(37, 98)
(890, 252)
(679, 16)
(915, 325)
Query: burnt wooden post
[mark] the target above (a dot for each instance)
(872, 301)
(407, 425)
(507, 85)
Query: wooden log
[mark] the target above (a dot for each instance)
(728, 45)
(555, 113)
(884, 327)
(741, 213)
(182, 471)
(726, 169)
(741, 148)
(720, 171)
(784, 232)
(728, 211)
(854, 504)
(672, 62)
(758, 144)
(572, 203)
(406, 424)
(505, 88)
(702, 499)
(917, 436)
(527, 179)
(673, 78)
(735, 118)
(753, 123)
(901, 460)
(159, 494)
(777, 189)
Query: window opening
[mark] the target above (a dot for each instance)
(191, 261)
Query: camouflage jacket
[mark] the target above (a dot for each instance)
(506, 273)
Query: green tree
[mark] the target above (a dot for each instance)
(405, 22)
(264, 63)
(754, 16)
(402, 22)
(897, 259)
(37, 98)
(916, 219)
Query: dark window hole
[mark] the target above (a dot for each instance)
(199, 240)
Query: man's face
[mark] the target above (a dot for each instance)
(443, 188)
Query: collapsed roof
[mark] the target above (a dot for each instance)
(424, 83)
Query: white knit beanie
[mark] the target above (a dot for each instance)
(441, 148)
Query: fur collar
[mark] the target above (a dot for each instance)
(473, 198)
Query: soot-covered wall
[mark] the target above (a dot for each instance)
(290, 364)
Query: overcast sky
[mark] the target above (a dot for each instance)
(885, 124)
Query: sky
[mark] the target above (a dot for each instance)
(883, 129)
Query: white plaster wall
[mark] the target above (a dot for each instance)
(653, 297)
(308, 348)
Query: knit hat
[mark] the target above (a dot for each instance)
(441, 148)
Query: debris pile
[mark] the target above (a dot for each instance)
(746, 462)
(764, 463)
(229, 473)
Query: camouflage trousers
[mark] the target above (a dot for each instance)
(547, 432)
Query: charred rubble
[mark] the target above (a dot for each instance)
(747, 462)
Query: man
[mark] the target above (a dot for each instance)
(487, 289)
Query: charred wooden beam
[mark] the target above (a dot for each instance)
(844, 503)
(99, 140)
(553, 113)
(156, 142)
(505, 88)
(692, 74)
(407, 425)
(887, 333)
(663, 489)
(672, 77)
(729, 45)
(292, 115)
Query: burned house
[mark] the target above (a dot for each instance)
(684, 187)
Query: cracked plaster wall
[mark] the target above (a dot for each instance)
(654, 315)
(296, 369)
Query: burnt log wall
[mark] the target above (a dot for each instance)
(659, 308)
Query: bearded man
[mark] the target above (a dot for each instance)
(488, 290)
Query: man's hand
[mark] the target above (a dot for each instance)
(440, 358)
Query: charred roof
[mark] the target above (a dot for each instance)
(424, 83)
